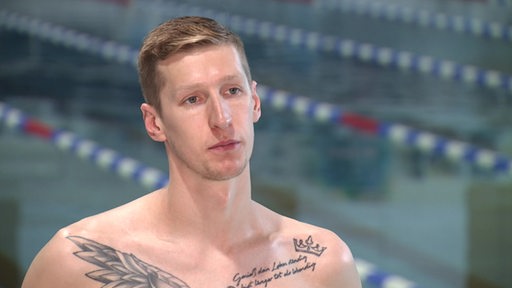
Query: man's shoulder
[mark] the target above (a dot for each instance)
(297, 229)
(109, 222)
(55, 265)
(334, 262)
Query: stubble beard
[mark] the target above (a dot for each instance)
(213, 174)
(210, 169)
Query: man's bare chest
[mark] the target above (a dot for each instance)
(288, 268)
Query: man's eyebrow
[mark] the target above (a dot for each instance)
(185, 88)
(195, 86)
(231, 78)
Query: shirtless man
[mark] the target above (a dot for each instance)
(202, 229)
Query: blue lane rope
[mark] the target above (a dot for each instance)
(102, 157)
(399, 134)
(422, 17)
(69, 38)
(346, 48)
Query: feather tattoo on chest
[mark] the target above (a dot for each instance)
(119, 269)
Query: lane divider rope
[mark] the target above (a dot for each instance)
(105, 158)
(68, 38)
(148, 177)
(422, 17)
(346, 48)
(488, 2)
(399, 134)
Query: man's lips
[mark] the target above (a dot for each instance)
(225, 145)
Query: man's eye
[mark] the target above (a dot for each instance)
(192, 100)
(233, 91)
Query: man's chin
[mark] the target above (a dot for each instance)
(225, 174)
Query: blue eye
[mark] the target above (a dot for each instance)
(233, 91)
(192, 100)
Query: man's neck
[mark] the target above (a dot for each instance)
(220, 211)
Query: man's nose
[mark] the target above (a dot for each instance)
(220, 112)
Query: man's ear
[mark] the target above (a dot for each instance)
(152, 122)
(256, 113)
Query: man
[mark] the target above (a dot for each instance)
(203, 229)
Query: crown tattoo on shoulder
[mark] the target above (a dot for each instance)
(308, 246)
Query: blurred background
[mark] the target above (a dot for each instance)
(386, 121)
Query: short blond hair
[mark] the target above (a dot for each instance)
(176, 36)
